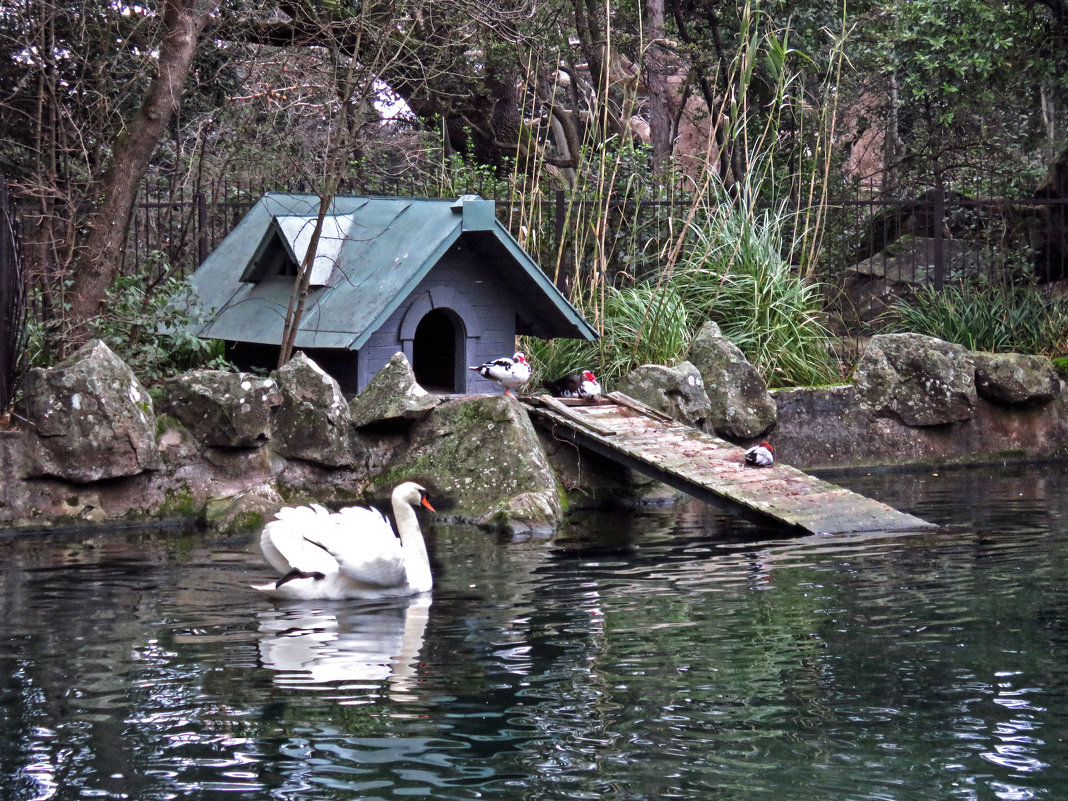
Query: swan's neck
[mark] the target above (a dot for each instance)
(416, 561)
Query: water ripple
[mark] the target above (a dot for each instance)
(671, 654)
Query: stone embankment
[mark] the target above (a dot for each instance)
(230, 448)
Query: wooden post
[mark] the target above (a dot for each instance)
(560, 219)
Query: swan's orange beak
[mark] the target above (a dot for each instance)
(426, 503)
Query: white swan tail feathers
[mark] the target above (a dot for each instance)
(352, 553)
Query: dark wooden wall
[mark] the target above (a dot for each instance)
(469, 286)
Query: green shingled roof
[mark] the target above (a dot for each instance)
(373, 252)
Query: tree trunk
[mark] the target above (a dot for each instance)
(656, 73)
(99, 257)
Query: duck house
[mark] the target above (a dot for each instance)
(442, 281)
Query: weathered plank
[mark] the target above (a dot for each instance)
(626, 431)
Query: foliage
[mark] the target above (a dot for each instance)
(964, 77)
(722, 258)
(1060, 364)
(516, 100)
(640, 325)
(148, 327)
(736, 275)
(997, 319)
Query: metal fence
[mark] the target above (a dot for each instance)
(945, 236)
(928, 240)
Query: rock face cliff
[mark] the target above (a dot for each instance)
(231, 448)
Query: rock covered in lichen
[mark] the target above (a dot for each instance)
(920, 380)
(89, 419)
(312, 422)
(482, 457)
(244, 511)
(392, 396)
(740, 406)
(1015, 378)
(221, 408)
(678, 392)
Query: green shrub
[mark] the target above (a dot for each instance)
(736, 276)
(639, 325)
(733, 273)
(998, 319)
(151, 329)
(148, 325)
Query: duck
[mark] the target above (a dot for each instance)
(508, 372)
(576, 385)
(351, 553)
(762, 455)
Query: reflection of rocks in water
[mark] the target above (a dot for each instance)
(352, 644)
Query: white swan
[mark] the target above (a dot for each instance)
(354, 646)
(352, 553)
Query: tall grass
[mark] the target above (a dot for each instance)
(736, 275)
(998, 319)
(726, 257)
(628, 337)
(733, 273)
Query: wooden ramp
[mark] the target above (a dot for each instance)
(626, 431)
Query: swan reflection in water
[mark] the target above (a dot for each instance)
(355, 645)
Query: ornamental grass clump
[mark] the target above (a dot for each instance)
(648, 289)
(735, 275)
(639, 325)
(997, 319)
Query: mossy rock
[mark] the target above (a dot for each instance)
(247, 511)
(482, 459)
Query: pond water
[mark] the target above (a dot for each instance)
(671, 653)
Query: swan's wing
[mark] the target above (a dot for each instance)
(285, 540)
(365, 547)
(379, 569)
(354, 529)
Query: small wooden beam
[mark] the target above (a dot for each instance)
(554, 404)
(714, 471)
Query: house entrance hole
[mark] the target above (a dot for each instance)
(437, 350)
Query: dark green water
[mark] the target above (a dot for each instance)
(677, 653)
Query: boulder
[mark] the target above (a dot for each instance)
(312, 422)
(740, 406)
(392, 396)
(678, 392)
(222, 409)
(246, 511)
(483, 463)
(871, 286)
(1015, 378)
(920, 380)
(89, 419)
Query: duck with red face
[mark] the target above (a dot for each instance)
(577, 385)
(762, 455)
(508, 372)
